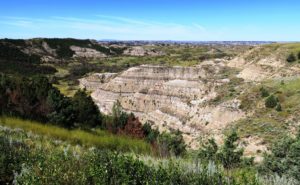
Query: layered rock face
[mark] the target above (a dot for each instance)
(140, 51)
(86, 52)
(170, 98)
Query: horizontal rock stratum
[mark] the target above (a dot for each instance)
(169, 98)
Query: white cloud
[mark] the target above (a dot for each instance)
(103, 26)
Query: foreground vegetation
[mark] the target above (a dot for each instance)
(35, 159)
(97, 138)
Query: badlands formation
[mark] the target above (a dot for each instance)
(169, 98)
(197, 100)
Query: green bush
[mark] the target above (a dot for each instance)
(151, 134)
(284, 158)
(12, 155)
(229, 155)
(264, 92)
(87, 112)
(291, 58)
(271, 101)
(171, 144)
(278, 107)
(209, 150)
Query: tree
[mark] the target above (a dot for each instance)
(283, 158)
(209, 150)
(291, 58)
(42, 86)
(61, 109)
(151, 134)
(230, 156)
(271, 101)
(87, 113)
(171, 143)
(119, 118)
(299, 55)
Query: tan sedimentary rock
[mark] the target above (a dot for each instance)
(86, 52)
(170, 98)
(140, 51)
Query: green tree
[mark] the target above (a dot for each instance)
(42, 86)
(271, 101)
(230, 156)
(119, 118)
(171, 143)
(283, 158)
(209, 150)
(299, 55)
(87, 112)
(291, 58)
(151, 134)
(61, 109)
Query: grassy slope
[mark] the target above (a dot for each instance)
(266, 123)
(279, 50)
(99, 139)
(49, 161)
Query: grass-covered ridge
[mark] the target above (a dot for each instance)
(268, 123)
(100, 139)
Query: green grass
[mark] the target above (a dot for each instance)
(99, 139)
(66, 88)
(267, 123)
(288, 92)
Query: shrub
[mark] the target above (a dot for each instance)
(118, 119)
(291, 58)
(151, 134)
(283, 159)
(87, 112)
(12, 155)
(264, 92)
(299, 55)
(278, 107)
(171, 144)
(209, 150)
(271, 101)
(229, 155)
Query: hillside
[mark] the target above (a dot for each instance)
(232, 107)
(211, 97)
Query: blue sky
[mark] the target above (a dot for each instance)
(276, 20)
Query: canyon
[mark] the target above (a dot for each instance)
(169, 98)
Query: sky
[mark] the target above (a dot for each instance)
(185, 20)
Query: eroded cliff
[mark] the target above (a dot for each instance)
(170, 98)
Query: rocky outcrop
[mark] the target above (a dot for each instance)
(263, 63)
(140, 51)
(94, 81)
(170, 98)
(86, 52)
